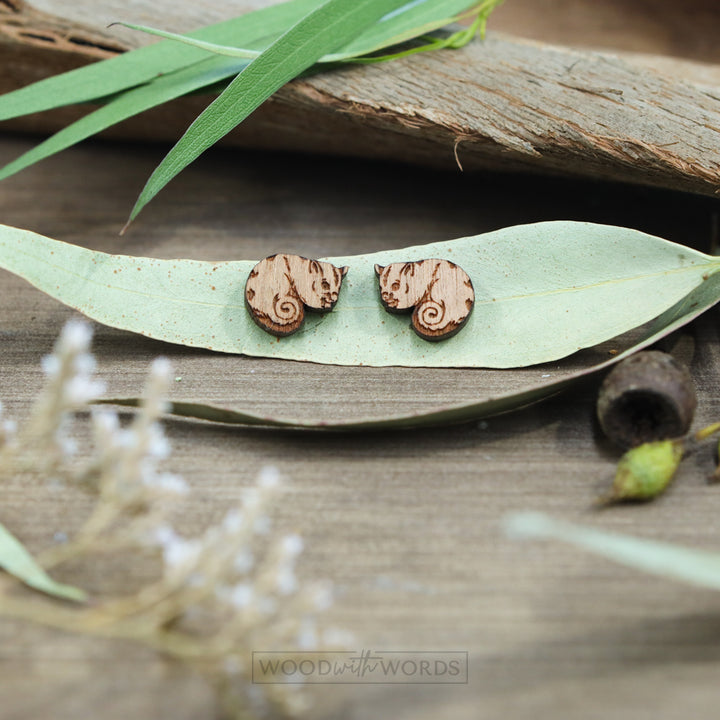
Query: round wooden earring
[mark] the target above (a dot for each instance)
(438, 292)
(280, 287)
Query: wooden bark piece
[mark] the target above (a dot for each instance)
(280, 287)
(438, 292)
(503, 104)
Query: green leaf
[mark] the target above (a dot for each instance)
(542, 292)
(414, 21)
(327, 28)
(132, 102)
(694, 567)
(141, 79)
(136, 67)
(493, 403)
(419, 19)
(17, 561)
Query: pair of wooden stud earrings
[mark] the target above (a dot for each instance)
(439, 293)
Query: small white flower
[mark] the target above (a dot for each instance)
(171, 483)
(233, 522)
(158, 444)
(68, 446)
(242, 595)
(322, 597)
(178, 552)
(85, 364)
(126, 439)
(262, 525)
(75, 337)
(8, 430)
(232, 665)
(251, 500)
(292, 545)
(51, 365)
(79, 390)
(244, 561)
(268, 477)
(106, 421)
(161, 369)
(163, 535)
(307, 638)
(286, 581)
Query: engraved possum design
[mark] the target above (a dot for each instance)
(280, 287)
(439, 293)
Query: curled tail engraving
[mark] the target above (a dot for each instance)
(280, 287)
(438, 292)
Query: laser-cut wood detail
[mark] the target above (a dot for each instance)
(280, 287)
(438, 292)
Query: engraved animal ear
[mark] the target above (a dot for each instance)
(445, 300)
(344, 270)
(379, 269)
(280, 288)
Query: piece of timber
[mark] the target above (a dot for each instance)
(505, 103)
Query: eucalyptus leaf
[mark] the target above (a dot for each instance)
(17, 561)
(325, 29)
(415, 20)
(493, 403)
(694, 567)
(107, 77)
(127, 88)
(132, 102)
(542, 292)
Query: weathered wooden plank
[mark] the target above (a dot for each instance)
(504, 104)
(407, 524)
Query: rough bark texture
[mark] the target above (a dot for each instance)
(505, 103)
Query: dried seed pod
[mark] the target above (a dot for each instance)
(649, 396)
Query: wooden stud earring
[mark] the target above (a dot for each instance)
(280, 287)
(439, 293)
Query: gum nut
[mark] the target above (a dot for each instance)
(649, 396)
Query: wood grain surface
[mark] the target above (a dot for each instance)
(506, 104)
(408, 523)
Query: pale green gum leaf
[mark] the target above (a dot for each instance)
(700, 568)
(18, 562)
(542, 292)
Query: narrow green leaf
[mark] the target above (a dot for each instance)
(492, 403)
(542, 292)
(415, 20)
(694, 567)
(17, 561)
(130, 103)
(130, 69)
(170, 75)
(327, 28)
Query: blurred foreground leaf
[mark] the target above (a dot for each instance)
(694, 567)
(17, 561)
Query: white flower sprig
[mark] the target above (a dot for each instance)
(220, 595)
